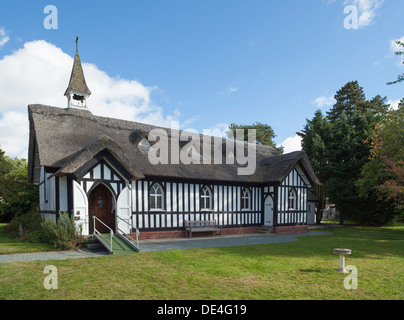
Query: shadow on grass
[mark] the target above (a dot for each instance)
(365, 242)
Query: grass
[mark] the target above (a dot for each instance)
(10, 245)
(305, 269)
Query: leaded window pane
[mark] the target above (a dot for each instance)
(156, 197)
(205, 200)
(159, 203)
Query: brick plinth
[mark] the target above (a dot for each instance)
(291, 229)
(183, 234)
(246, 230)
(226, 232)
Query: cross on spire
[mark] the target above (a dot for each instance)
(77, 43)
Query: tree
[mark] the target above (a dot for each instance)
(17, 194)
(400, 78)
(334, 144)
(377, 106)
(349, 98)
(384, 174)
(264, 134)
(315, 137)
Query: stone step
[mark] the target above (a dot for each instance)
(264, 230)
(95, 246)
(93, 243)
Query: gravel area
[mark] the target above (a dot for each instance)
(225, 241)
(56, 255)
(166, 245)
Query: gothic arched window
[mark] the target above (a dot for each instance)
(292, 199)
(206, 198)
(156, 197)
(245, 199)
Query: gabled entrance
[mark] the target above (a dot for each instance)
(101, 205)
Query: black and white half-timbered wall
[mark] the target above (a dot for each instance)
(165, 205)
(162, 204)
(92, 166)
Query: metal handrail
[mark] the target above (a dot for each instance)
(126, 235)
(111, 233)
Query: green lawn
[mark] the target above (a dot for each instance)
(10, 245)
(305, 269)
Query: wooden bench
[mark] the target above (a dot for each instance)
(202, 226)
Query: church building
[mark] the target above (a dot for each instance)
(92, 166)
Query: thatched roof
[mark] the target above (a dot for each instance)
(67, 140)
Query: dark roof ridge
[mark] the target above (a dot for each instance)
(127, 124)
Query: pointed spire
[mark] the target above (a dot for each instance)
(77, 92)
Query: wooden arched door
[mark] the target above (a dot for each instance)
(100, 205)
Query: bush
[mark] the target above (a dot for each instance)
(24, 202)
(31, 225)
(64, 234)
(375, 213)
(6, 214)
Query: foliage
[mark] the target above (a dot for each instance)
(384, 174)
(10, 245)
(315, 137)
(64, 233)
(400, 78)
(17, 195)
(31, 226)
(264, 134)
(334, 143)
(348, 99)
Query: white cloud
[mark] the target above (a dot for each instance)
(396, 48)
(228, 91)
(292, 144)
(377, 62)
(39, 73)
(323, 101)
(14, 134)
(188, 122)
(4, 38)
(366, 10)
(394, 104)
(218, 130)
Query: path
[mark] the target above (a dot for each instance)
(54, 255)
(225, 241)
(165, 245)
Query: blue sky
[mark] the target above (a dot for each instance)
(204, 63)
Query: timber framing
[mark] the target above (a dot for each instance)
(73, 151)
